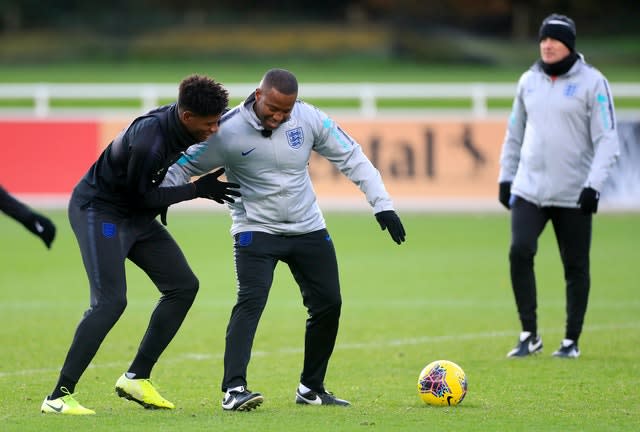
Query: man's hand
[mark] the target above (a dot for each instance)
(42, 226)
(588, 200)
(208, 186)
(504, 194)
(390, 221)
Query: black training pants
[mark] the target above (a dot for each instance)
(573, 234)
(312, 260)
(106, 240)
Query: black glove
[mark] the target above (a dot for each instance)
(504, 194)
(208, 186)
(41, 226)
(588, 200)
(390, 221)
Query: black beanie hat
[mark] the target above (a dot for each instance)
(559, 27)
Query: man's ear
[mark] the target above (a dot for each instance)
(186, 115)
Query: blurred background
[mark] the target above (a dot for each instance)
(424, 86)
(491, 32)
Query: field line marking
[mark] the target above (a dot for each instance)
(346, 346)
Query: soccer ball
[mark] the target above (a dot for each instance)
(442, 382)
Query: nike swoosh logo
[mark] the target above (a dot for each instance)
(244, 153)
(315, 401)
(40, 229)
(534, 346)
(56, 409)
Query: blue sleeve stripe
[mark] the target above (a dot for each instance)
(185, 158)
(609, 105)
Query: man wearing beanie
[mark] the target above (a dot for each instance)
(560, 145)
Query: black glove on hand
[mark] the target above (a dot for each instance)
(504, 194)
(208, 186)
(390, 221)
(42, 227)
(588, 200)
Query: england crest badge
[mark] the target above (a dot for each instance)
(295, 137)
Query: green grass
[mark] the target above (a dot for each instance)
(332, 70)
(237, 71)
(433, 104)
(443, 294)
(339, 70)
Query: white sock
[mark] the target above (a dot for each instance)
(524, 335)
(234, 389)
(303, 388)
(130, 375)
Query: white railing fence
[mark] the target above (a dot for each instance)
(368, 94)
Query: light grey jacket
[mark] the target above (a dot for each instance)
(277, 193)
(562, 136)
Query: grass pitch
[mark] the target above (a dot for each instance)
(444, 294)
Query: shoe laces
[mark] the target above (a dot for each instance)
(68, 397)
(147, 385)
(147, 381)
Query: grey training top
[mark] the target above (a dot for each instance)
(561, 136)
(277, 193)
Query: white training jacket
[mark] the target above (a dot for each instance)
(277, 193)
(562, 136)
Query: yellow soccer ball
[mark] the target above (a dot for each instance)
(442, 383)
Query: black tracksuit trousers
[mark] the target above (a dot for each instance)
(312, 260)
(106, 240)
(573, 234)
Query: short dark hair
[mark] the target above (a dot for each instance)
(282, 80)
(202, 95)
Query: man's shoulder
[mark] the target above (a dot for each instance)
(586, 70)
(143, 124)
(304, 106)
(307, 113)
(230, 114)
(533, 72)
